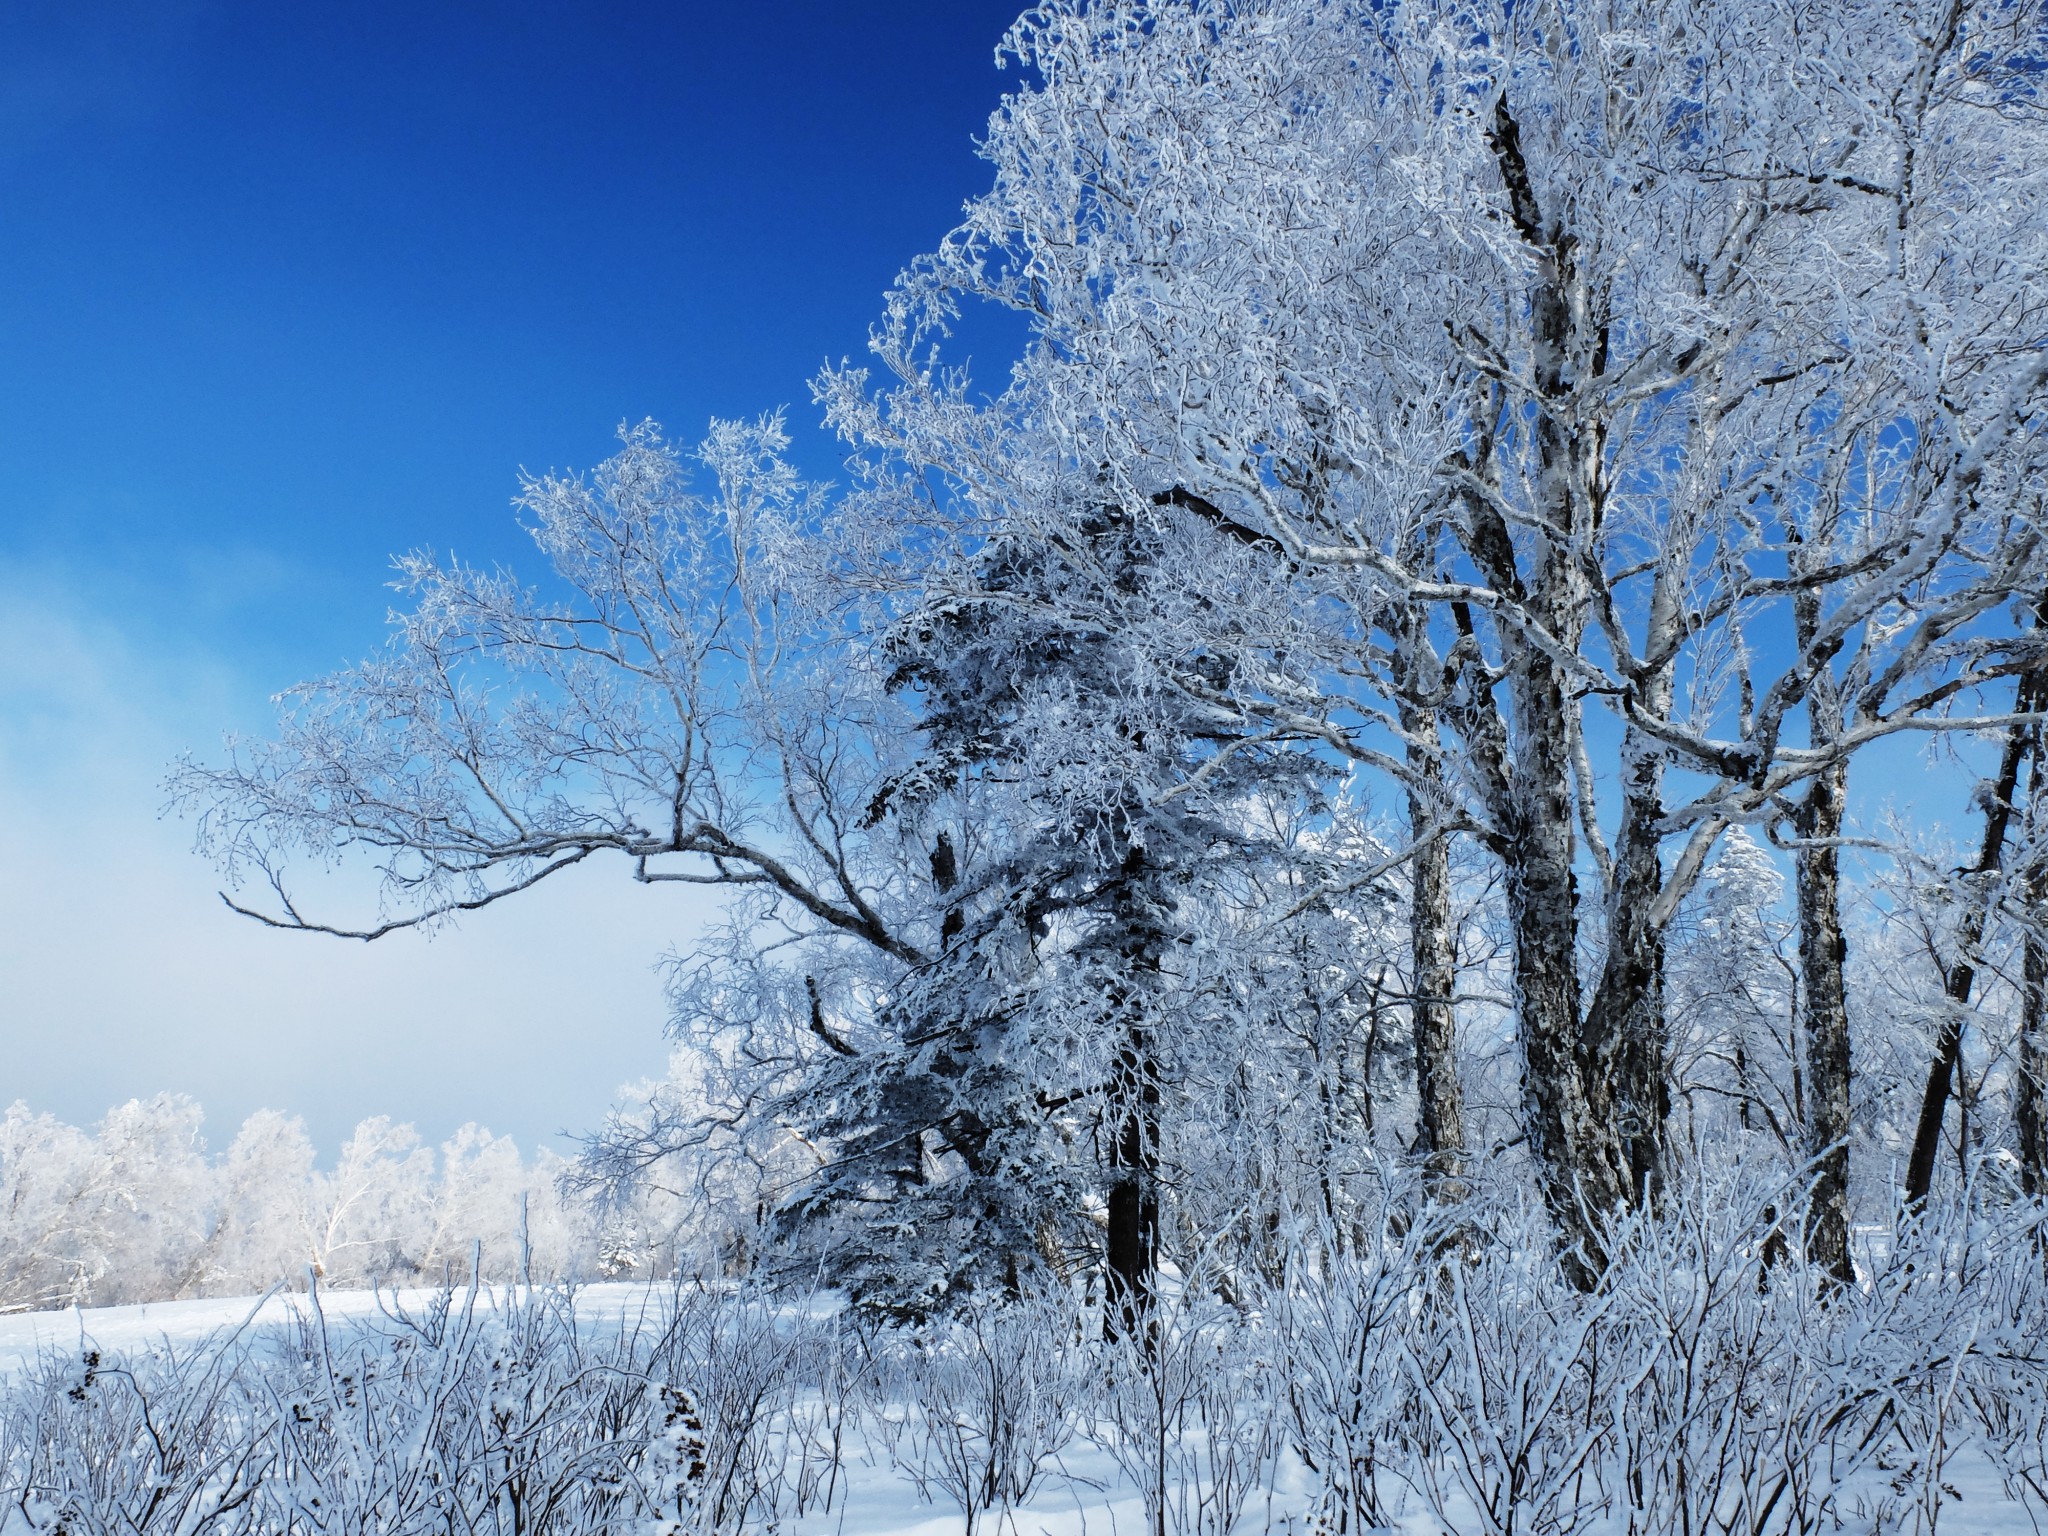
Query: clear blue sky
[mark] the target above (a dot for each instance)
(298, 285)
(286, 288)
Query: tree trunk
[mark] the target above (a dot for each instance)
(1584, 1167)
(2030, 1107)
(1133, 1234)
(1824, 1017)
(1623, 1049)
(1528, 793)
(2033, 1075)
(1961, 978)
(1823, 1098)
(1440, 1131)
(1132, 1238)
(1579, 1157)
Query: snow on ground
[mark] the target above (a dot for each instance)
(1084, 1496)
(26, 1335)
(880, 1502)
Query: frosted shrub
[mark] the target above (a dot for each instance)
(488, 1413)
(1743, 1415)
(1189, 1414)
(822, 1414)
(1513, 1374)
(1337, 1328)
(1432, 1370)
(2008, 1399)
(1947, 1335)
(985, 1403)
(1713, 1380)
(497, 1411)
(736, 1360)
(164, 1443)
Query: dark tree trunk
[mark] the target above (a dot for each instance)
(1573, 1064)
(2030, 1096)
(2030, 1086)
(1624, 1050)
(1528, 794)
(1579, 1157)
(1824, 1019)
(2032, 1089)
(1133, 1234)
(1132, 1237)
(1961, 978)
(1823, 1098)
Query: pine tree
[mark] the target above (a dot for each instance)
(1080, 804)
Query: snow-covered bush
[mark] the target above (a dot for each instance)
(978, 1407)
(1190, 1415)
(1431, 1372)
(1337, 1328)
(161, 1442)
(484, 1411)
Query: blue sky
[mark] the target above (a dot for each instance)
(284, 289)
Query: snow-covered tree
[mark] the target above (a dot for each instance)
(666, 699)
(136, 1210)
(263, 1223)
(1733, 985)
(1608, 335)
(1085, 816)
(45, 1171)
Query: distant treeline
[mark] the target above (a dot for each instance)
(139, 1209)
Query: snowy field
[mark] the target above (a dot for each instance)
(1083, 1495)
(785, 1405)
(27, 1336)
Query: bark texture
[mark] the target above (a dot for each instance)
(1440, 1128)
(1626, 1053)
(1823, 968)
(2030, 1089)
(1625, 1059)
(1824, 1020)
(1433, 978)
(1583, 1081)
